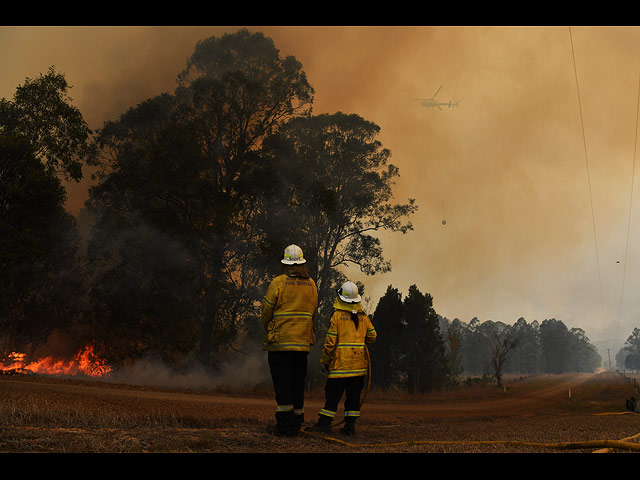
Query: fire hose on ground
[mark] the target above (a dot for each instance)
(604, 446)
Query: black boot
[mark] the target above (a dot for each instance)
(322, 425)
(286, 425)
(349, 426)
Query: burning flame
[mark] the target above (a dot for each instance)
(85, 362)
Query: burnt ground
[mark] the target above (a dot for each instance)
(542, 414)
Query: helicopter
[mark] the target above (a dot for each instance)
(432, 102)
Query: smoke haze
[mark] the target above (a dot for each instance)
(506, 168)
(243, 372)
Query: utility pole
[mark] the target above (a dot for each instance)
(609, 354)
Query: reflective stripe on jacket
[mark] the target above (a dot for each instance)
(288, 310)
(344, 347)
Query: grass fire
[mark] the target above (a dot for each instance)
(85, 362)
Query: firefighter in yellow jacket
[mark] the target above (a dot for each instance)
(288, 312)
(344, 358)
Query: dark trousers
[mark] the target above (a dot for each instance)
(288, 372)
(334, 389)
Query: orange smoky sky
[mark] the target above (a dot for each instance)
(533, 170)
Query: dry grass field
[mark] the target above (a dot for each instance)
(543, 414)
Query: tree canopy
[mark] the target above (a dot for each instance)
(41, 111)
(332, 194)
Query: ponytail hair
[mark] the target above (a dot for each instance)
(354, 317)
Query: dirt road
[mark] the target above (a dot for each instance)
(503, 404)
(531, 415)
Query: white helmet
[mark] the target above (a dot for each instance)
(349, 293)
(293, 255)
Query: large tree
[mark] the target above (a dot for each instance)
(43, 138)
(188, 166)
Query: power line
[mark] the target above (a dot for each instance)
(584, 142)
(624, 267)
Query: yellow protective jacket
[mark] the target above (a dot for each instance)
(344, 348)
(288, 311)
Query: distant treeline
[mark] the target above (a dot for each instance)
(628, 358)
(419, 350)
(196, 194)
